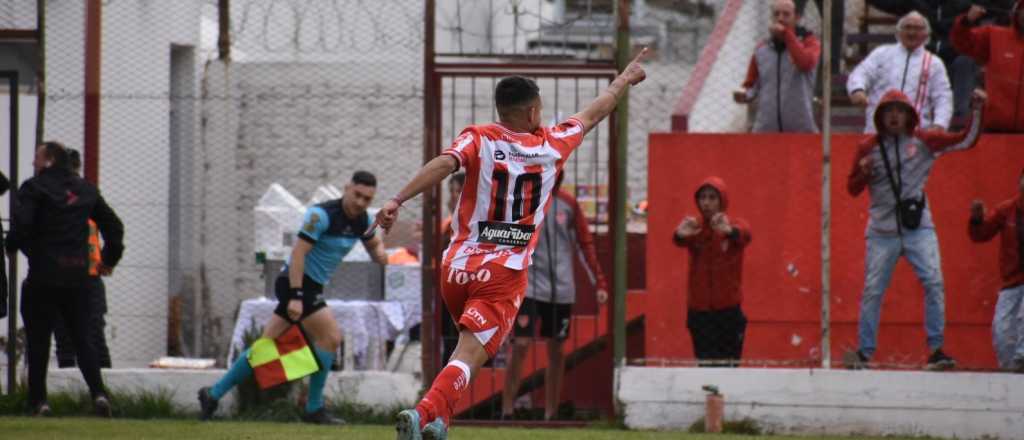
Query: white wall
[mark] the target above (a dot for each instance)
(833, 402)
(715, 111)
(474, 27)
(136, 50)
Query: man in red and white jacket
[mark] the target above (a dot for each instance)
(908, 67)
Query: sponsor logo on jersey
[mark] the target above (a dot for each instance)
(462, 277)
(516, 156)
(508, 234)
(471, 251)
(477, 316)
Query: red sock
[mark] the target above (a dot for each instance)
(446, 390)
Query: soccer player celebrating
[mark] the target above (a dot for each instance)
(510, 172)
(329, 231)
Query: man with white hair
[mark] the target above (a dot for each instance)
(908, 67)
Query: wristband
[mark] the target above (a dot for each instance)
(295, 292)
(397, 201)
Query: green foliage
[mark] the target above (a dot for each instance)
(126, 404)
(19, 346)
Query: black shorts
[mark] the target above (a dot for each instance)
(554, 320)
(312, 296)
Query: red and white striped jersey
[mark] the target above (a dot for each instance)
(509, 178)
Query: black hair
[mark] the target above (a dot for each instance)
(364, 178)
(58, 153)
(459, 178)
(74, 160)
(515, 91)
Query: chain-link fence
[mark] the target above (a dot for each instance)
(190, 143)
(209, 155)
(760, 301)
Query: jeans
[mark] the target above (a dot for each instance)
(1008, 327)
(921, 248)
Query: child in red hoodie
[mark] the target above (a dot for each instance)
(716, 245)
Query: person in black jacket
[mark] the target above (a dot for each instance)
(97, 293)
(50, 226)
(4, 186)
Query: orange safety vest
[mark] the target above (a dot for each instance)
(95, 258)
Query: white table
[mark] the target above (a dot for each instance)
(366, 326)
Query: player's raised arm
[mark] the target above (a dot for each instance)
(605, 103)
(431, 174)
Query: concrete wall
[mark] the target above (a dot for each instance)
(832, 402)
(134, 144)
(492, 27)
(781, 280)
(714, 110)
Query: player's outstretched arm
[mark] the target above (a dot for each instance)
(431, 174)
(605, 103)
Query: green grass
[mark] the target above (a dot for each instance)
(90, 428)
(159, 404)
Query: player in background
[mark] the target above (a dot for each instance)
(510, 170)
(550, 296)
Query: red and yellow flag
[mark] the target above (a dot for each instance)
(283, 359)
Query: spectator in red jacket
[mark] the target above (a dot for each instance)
(716, 245)
(1008, 322)
(1001, 50)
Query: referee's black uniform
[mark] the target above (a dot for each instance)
(50, 226)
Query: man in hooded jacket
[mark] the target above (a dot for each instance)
(894, 165)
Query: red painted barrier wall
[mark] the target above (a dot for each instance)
(774, 183)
